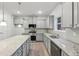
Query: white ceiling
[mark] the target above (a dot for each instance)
(30, 8)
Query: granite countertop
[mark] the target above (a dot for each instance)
(67, 46)
(10, 45)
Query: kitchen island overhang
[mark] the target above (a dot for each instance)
(10, 45)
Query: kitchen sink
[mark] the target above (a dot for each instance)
(54, 36)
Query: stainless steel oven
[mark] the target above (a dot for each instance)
(32, 31)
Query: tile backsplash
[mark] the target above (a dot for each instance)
(72, 35)
(69, 34)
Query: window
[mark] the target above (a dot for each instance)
(59, 23)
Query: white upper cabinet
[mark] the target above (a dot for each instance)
(51, 22)
(78, 12)
(75, 14)
(76, 9)
(18, 21)
(27, 21)
(23, 20)
(41, 22)
(67, 14)
(71, 14)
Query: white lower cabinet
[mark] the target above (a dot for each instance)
(47, 44)
(28, 47)
(52, 48)
(39, 36)
(24, 49)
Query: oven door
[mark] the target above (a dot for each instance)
(33, 38)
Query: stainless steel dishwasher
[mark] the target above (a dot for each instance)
(55, 50)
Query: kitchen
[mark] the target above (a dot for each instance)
(39, 29)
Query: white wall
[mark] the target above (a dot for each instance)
(9, 30)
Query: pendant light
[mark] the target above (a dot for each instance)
(3, 22)
(18, 12)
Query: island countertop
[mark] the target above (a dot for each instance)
(10, 45)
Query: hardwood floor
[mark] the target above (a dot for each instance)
(38, 49)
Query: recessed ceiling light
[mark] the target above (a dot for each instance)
(39, 12)
(18, 12)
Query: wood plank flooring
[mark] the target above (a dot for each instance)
(38, 49)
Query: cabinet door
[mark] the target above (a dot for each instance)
(18, 21)
(47, 44)
(39, 37)
(27, 22)
(45, 40)
(67, 14)
(41, 23)
(77, 14)
(28, 47)
(51, 22)
(24, 49)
